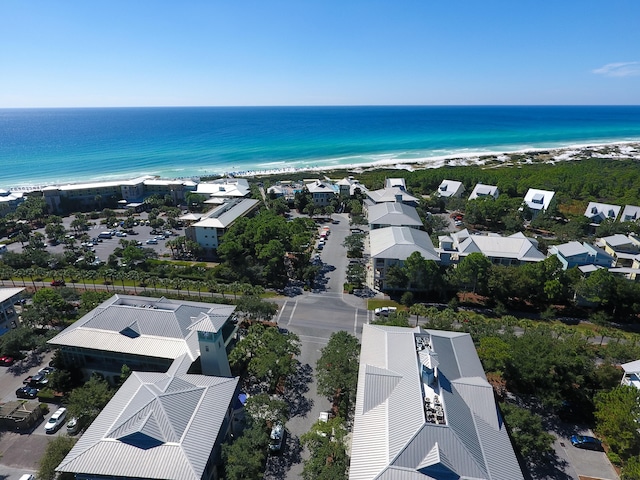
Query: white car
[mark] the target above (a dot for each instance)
(385, 311)
(56, 420)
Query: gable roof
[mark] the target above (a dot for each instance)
(226, 187)
(145, 326)
(538, 199)
(481, 190)
(450, 188)
(395, 214)
(392, 437)
(391, 194)
(597, 212)
(400, 242)
(227, 213)
(631, 213)
(156, 426)
(517, 246)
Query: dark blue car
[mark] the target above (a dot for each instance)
(586, 442)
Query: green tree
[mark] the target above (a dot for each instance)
(255, 308)
(244, 458)
(337, 370)
(55, 452)
(473, 272)
(264, 408)
(631, 470)
(266, 354)
(527, 433)
(494, 353)
(87, 401)
(327, 456)
(617, 413)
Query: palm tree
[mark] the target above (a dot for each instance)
(213, 286)
(133, 276)
(6, 273)
(235, 288)
(166, 283)
(154, 281)
(92, 275)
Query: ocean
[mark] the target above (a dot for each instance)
(57, 146)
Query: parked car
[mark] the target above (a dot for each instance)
(73, 426)
(56, 420)
(39, 380)
(27, 392)
(58, 283)
(46, 370)
(276, 439)
(6, 361)
(27, 476)
(586, 442)
(384, 311)
(152, 241)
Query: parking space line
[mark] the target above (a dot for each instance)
(292, 312)
(284, 305)
(355, 322)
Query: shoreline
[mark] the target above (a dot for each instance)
(614, 150)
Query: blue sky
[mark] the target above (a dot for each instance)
(329, 52)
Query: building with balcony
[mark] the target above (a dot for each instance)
(424, 410)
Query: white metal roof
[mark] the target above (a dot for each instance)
(7, 293)
(538, 199)
(227, 213)
(400, 242)
(392, 438)
(156, 426)
(631, 213)
(395, 214)
(150, 327)
(390, 195)
(481, 190)
(516, 246)
(449, 188)
(600, 211)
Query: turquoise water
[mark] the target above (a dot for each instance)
(45, 146)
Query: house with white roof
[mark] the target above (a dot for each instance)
(624, 248)
(450, 189)
(425, 411)
(397, 182)
(631, 375)
(631, 213)
(392, 194)
(392, 246)
(207, 229)
(481, 190)
(8, 316)
(597, 212)
(576, 254)
(348, 186)
(224, 188)
(538, 200)
(321, 192)
(157, 426)
(393, 214)
(147, 334)
(515, 249)
(9, 201)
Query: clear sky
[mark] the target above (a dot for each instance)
(325, 52)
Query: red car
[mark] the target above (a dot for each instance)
(58, 283)
(6, 361)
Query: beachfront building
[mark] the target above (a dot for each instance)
(157, 426)
(396, 182)
(450, 189)
(207, 229)
(146, 334)
(538, 200)
(576, 254)
(424, 410)
(597, 212)
(103, 194)
(392, 246)
(9, 201)
(393, 214)
(631, 213)
(515, 249)
(624, 248)
(321, 192)
(224, 188)
(481, 190)
(9, 297)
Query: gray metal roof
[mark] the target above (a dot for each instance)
(394, 214)
(156, 426)
(144, 326)
(400, 242)
(391, 436)
(390, 194)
